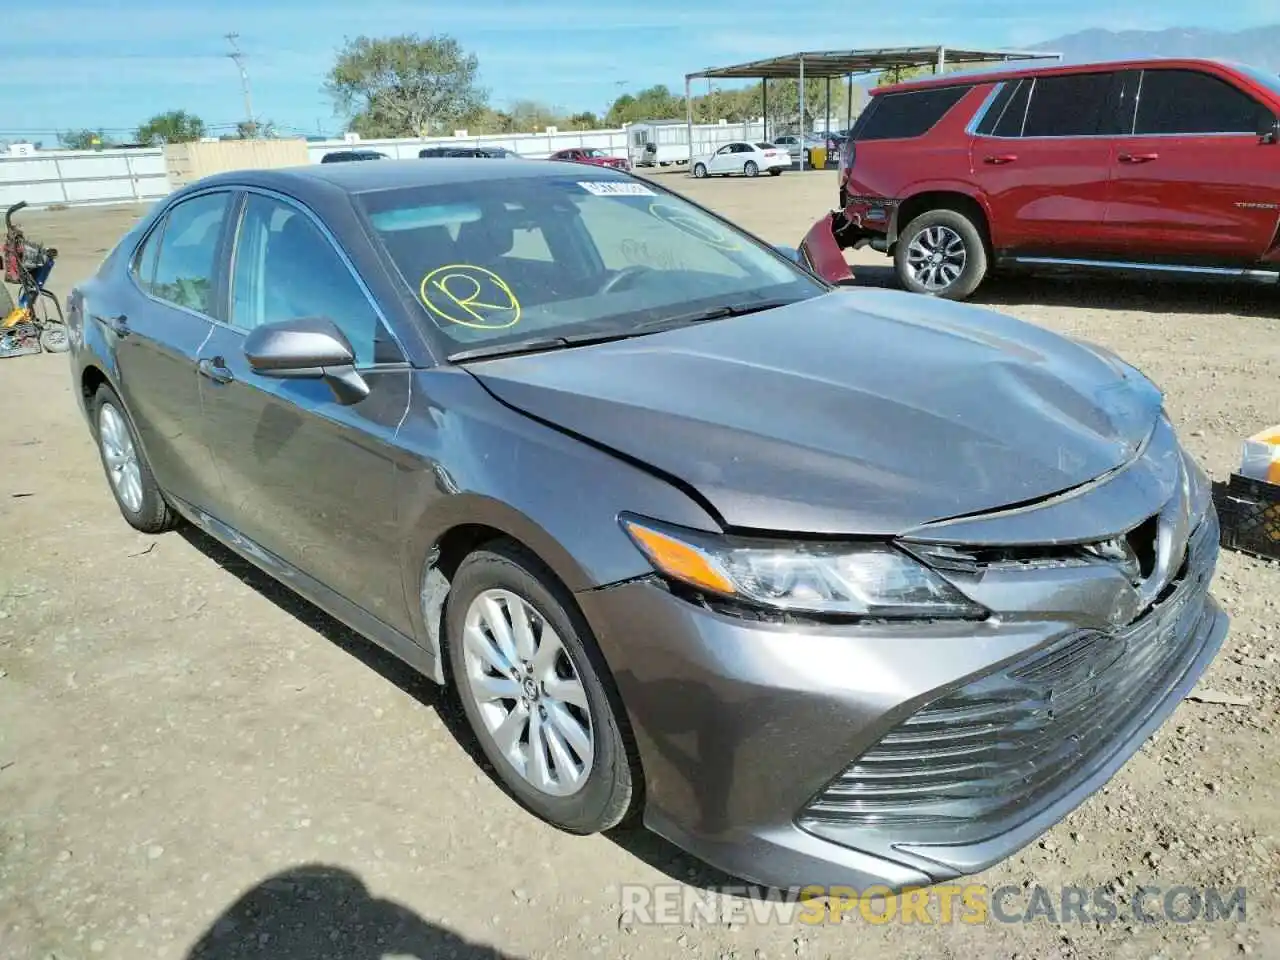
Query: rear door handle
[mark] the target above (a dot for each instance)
(1138, 157)
(215, 369)
(1001, 158)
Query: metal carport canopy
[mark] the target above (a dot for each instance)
(841, 63)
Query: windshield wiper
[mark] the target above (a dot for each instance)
(539, 344)
(713, 313)
(535, 345)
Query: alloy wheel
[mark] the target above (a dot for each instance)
(527, 692)
(936, 257)
(121, 458)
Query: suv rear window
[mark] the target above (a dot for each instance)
(894, 116)
(1186, 101)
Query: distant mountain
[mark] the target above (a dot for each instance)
(1259, 47)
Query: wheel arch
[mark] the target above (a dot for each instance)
(467, 524)
(942, 197)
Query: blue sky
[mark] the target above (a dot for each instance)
(99, 63)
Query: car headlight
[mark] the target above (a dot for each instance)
(1199, 488)
(855, 580)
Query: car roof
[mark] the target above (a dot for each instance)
(1013, 73)
(359, 178)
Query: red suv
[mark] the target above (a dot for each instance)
(1155, 165)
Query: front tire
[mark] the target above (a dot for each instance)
(750, 169)
(941, 253)
(700, 170)
(128, 474)
(537, 692)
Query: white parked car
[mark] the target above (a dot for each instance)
(749, 159)
(792, 144)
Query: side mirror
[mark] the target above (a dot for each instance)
(1268, 127)
(309, 348)
(791, 253)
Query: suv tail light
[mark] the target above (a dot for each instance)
(848, 152)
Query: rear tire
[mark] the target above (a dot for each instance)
(129, 475)
(577, 710)
(750, 169)
(941, 253)
(775, 172)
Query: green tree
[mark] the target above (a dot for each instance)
(653, 103)
(529, 116)
(253, 130)
(83, 140)
(586, 120)
(173, 126)
(902, 74)
(405, 85)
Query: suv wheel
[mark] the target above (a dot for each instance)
(941, 254)
(536, 691)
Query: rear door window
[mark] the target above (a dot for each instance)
(187, 266)
(1190, 102)
(897, 116)
(1067, 106)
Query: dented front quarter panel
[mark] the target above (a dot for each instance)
(821, 250)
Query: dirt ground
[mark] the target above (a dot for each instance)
(177, 732)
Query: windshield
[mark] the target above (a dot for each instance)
(1263, 77)
(764, 146)
(506, 259)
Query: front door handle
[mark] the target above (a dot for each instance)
(118, 325)
(1001, 158)
(215, 369)
(1138, 157)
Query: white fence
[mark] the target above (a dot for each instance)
(80, 177)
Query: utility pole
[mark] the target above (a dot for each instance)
(237, 58)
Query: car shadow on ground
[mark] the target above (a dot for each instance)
(316, 912)
(648, 847)
(1171, 295)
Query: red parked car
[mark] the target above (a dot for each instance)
(592, 155)
(1164, 166)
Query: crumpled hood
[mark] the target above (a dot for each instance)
(858, 412)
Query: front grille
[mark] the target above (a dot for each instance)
(1017, 736)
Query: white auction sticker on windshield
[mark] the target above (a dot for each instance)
(609, 188)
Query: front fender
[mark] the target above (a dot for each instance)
(821, 251)
(476, 461)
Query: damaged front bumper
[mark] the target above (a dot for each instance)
(793, 753)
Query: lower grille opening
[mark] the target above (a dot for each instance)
(1019, 737)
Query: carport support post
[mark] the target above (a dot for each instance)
(764, 107)
(848, 107)
(827, 132)
(688, 120)
(941, 66)
(802, 130)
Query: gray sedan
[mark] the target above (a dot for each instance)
(827, 586)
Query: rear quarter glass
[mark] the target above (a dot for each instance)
(913, 113)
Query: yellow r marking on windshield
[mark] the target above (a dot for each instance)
(454, 292)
